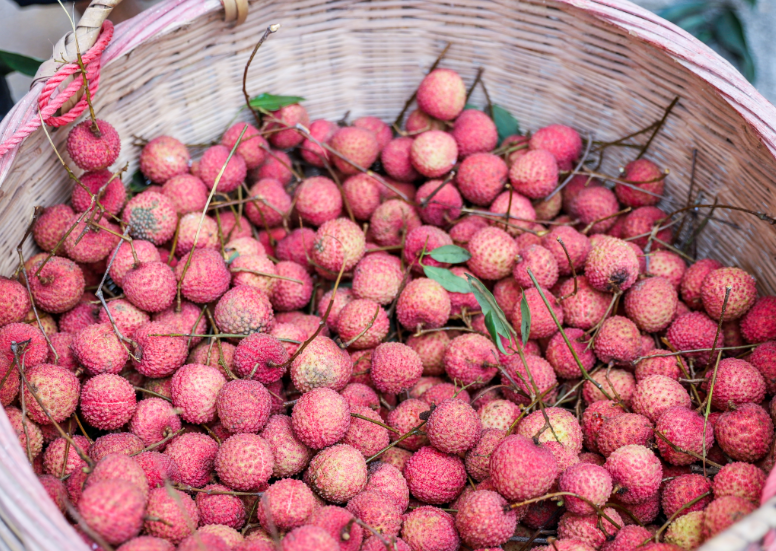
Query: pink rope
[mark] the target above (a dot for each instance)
(48, 106)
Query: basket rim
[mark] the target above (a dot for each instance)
(634, 20)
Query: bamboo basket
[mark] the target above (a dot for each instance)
(605, 67)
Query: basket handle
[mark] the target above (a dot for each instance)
(86, 31)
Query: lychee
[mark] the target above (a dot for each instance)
(641, 222)
(745, 433)
(433, 476)
(641, 174)
(636, 471)
(623, 430)
(358, 145)
(151, 286)
(157, 355)
(442, 94)
(318, 200)
(282, 124)
(163, 158)
(667, 264)
(151, 216)
(723, 512)
(252, 146)
(563, 428)
(561, 358)
(758, 323)
(50, 227)
(93, 150)
(441, 208)
(320, 418)
(423, 302)
(563, 142)
(588, 529)
(517, 373)
(290, 294)
(522, 470)
(391, 221)
(682, 490)
(57, 389)
(322, 130)
(322, 364)
(107, 401)
(577, 245)
(216, 164)
(588, 481)
(481, 177)
(695, 331)
(404, 418)
(543, 323)
(453, 427)
(612, 265)
(736, 382)
(742, 296)
(395, 367)
(493, 253)
(434, 153)
(542, 264)
(112, 197)
(176, 512)
(739, 479)
(114, 509)
(91, 240)
(337, 473)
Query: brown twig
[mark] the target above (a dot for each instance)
(271, 29)
(400, 118)
(659, 125)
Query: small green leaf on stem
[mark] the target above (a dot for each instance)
(506, 124)
(271, 102)
(138, 183)
(470, 106)
(450, 254)
(493, 312)
(525, 322)
(447, 279)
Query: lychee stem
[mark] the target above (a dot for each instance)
(709, 396)
(378, 423)
(545, 497)
(31, 388)
(271, 29)
(677, 449)
(212, 434)
(15, 348)
(196, 323)
(447, 180)
(573, 270)
(187, 488)
(400, 117)
(624, 510)
(604, 218)
(306, 133)
(576, 170)
(83, 430)
(265, 274)
(204, 211)
(477, 78)
(75, 515)
(525, 411)
(403, 437)
(538, 395)
(161, 442)
(35, 214)
(364, 330)
(676, 514)
(174, 244)
(177, 499)
(634, 185)
(585, 374)
(658, 126)
(151, 393)
(218, 337)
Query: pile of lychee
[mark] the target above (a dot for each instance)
(266, 366)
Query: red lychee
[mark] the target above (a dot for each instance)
(286, 118)
(93, 150)
(641, 174)
(433, 476)
(322, 364)
(522, 470)
(151, 216)
(563, 142)
(112, 197)
(442, 94)
(337, 473)
(434, 153)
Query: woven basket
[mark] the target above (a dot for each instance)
(602, 66)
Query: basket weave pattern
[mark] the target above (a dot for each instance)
(604, 67)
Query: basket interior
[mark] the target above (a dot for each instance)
(545, 62)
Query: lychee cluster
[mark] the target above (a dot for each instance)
(326, 361)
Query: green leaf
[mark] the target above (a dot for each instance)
(729, 33)
(492, 326)
(450, 254)
(680, 11)
(271, 102)
(693, 23)
(26, 65)
(506, 124)
(447, 279)
(752, 3)
(470, 106)
(232, 257)
(138, 183)
(490, 308)
(525, 321)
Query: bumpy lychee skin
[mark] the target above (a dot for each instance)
(113, 509)
(337, 473)
(759, 323)
(322, 364)
(428, 237)
(54, 458)
(563, 142)
(695, 331)
(641, 221)
(434, 153)
(431, 348)
(535, 174)
(737, 382)
(195, 388)
(36, 350)
(322, 130)
(565, 428)
(618, 341)
(498, 414)
(213, 160)
(26, 431)
(163, 158)
(442, 94)
(474, 132)
(296, 246)
(286, 118)
(91, 151)
(593, 418)
(433, 476)
(95, 243)
(395, 367)
(153, 419)
(542, 323)
(430, 528)
(742, 295)
(577, 244)
(320, 418)
(741, 480)
(543, 377)
(124, 260)
(358, 145)
(150, 216)
(423, 302)
(561, 359)
(396, 160)
(365, 436)
(52, 225)
(363, 195)
(285, 505)
(58, 286)
(542, 264)
(338, 523)
(244, 462)
(271, 205)
(471, 359)
(587, 307)
(151, 286)
(118, 467)
(657, 362)
(655, 394)
(391, 220)
(244, 310)
(159, 355)
(585, 529)
(521, 470)
(483, 520)
(14, 301)
(745, 433)
(481, 178)
(252, 147)
(290, 455)
(692, 282)
(338, 242)
(188, 227)
(177, 512)
(107, 401)
(290, 295)
(118, 442)
(477, 459)
(724, 512)
(493, 253)
(56, 387)
(433, 392)
(378, 511)
(651, 303)
(243, 406)
(644, 175)
(637, 471)
(377, 278)
(112, 198)
(623, 430)
(363, 324)
(207, 277)
(453, 427)
(318, 200)
(404, 418)
(684, 428)
(443, 207)
(589, 481)
(612, 265)
(683, 489)
(187, 193)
